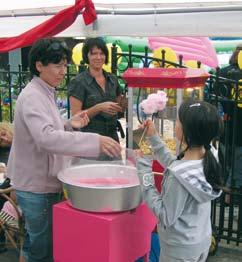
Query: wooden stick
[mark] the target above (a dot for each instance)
(142, 137)
(158, 173)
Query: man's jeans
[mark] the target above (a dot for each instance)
(37, 211)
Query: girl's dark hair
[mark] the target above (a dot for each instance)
(46, 51)
(201, 124)
(89, 44)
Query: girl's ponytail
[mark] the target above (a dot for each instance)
(212, 169)
(201, 124)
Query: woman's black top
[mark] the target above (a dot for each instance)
(85, 88)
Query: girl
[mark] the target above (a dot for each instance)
(190, 182)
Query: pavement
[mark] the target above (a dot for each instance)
(225, 253)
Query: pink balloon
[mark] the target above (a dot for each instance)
(191, 48)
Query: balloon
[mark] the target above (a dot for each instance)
(77, 53)
(138, 44)
(192, 64)
(191, 48)
(240, 59)
(107, 67)
(170, 55)
(119, 50)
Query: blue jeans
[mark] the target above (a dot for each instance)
(37, 212)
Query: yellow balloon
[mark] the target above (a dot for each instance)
(192, 64)
(240, 59)
(107, 67)
(170, 55)
(119, 50)
(77, 53)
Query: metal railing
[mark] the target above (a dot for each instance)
(216, 91)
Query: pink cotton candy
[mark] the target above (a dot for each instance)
(154, 103)
(148, 107)
(105, 181)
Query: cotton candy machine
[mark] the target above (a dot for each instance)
(102, 187)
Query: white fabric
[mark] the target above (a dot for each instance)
(175, 22)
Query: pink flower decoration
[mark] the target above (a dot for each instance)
(154, 103)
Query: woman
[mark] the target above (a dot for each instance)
(97, 91)
(43, 143)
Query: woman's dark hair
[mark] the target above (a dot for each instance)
(47, 51)
(201, 124)
(234, 58)
(89, 44)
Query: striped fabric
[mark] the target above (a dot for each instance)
(192, 172)
(8, 220)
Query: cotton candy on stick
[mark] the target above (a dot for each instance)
(153, 104)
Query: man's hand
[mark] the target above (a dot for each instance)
(79, 120)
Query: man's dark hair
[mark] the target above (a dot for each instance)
(89, 44)
(46, 51)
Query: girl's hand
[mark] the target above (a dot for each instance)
(149, 126)
(138, 153)
(79, 120)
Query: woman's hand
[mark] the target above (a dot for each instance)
(123, 102)
(110, 108)
(79, 120)
(3, 168)
(110, 147)
(149, 126)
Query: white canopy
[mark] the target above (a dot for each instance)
(130, 18)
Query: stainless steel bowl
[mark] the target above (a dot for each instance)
(102, 187)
